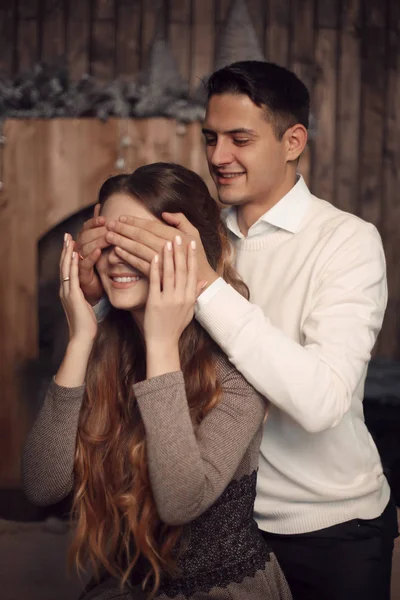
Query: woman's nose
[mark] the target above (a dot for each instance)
(113, 257)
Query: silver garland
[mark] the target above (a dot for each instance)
(46, 92)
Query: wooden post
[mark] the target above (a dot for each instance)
(27, 34)
(52, 39)
(278, 32)
(348, 110)
(128, 39)
(390, 336)
(373, 89)
(203, 41)
(323, 173)
(102, 51)
(7, 38)
(180, 35)
(78, 26)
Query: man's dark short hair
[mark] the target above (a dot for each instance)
(285, 98)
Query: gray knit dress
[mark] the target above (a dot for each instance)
(203, 479)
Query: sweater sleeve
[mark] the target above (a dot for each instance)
(49, 452)
(188, 470)
(313, 381)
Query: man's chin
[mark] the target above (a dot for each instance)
(230, 200)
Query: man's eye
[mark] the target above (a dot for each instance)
(240, 142)
(210, 141)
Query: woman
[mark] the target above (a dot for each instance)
(149, 424)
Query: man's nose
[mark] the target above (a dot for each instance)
(221, 154)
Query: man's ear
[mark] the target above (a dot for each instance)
(295, 141)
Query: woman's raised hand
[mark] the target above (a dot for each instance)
(170, 305)
(81, 319)
(172, 296)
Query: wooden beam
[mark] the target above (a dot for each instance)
(53, 31)
(348, 109)
(103, 40)
(8, 24)
(389, 339)
(277, 36)
(203, 46)
(128, 42)
(326, 47)
(373, 94)
(180, 34)
(78, 41)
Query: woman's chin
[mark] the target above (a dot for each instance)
(131, 304)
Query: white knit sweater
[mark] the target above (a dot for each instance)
(318, 295)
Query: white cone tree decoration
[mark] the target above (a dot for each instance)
(238, 39)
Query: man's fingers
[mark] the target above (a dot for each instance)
(137, 248)
(137, 263)
(86, 266)
(90, 245)
(93, 223)
(165, 232)
(179, 221)
(145, 236)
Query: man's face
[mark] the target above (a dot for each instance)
(246, 160)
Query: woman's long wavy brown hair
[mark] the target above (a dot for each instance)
(117, 522)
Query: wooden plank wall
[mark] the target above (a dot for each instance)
(347, 51)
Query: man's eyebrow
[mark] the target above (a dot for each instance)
(231, 131)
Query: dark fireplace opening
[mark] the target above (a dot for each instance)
(35, 375)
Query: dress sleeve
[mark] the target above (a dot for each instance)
(49, 452)
(189, 470)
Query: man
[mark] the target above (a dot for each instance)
(317, 299)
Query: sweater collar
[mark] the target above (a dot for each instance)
(287, 214)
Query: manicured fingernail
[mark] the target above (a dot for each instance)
(67, 243)
(193, 244)
(156, 258)
(169, 246)
(65, 237)
(178, 240)
(73, 254)
(122, 219)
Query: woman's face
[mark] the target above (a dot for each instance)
(126, 288)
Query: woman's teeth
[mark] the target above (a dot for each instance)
(229, 175)
(125, 279)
